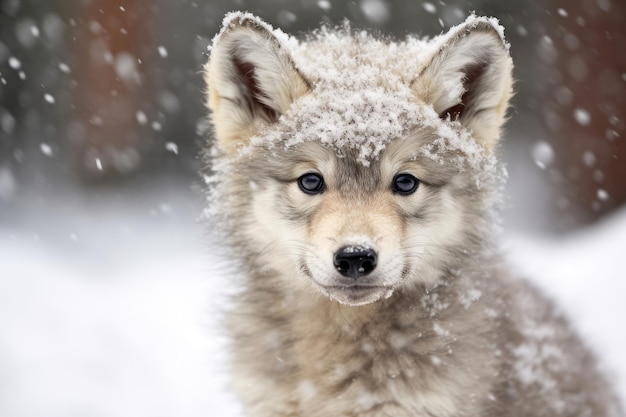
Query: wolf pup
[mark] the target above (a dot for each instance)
(356, 181)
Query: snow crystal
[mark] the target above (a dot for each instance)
(562, 12)
(202, 126)
(49, 98)
(470, 297)
(169, 101)
(26, 32)
(453, 15)
(436, 360)
(7, 183)
(589, 158)
(582, 116)
(286, 18)
(564, 95)
(53, 27)
(376, 11)
(307, 390)
(162, 51)
(64, 68)
(156, 126)
(542, 154)
(432, 304)
(141, 117)
(324, 5)
(171, 147)
(96, 120)
(429, 7)
(95, 27)
(547, 50)
(611, 134)
(14, 63)
(440, 331)
(45, 149)
(604, 5)
(7, 123)
(99, 164)
(602, 194)
(366, 400)
(615, 121)
(126, 67)
(125, 160)
(598, 175)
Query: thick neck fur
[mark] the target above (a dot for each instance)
(418, 341)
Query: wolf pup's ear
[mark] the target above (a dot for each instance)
(469, 78)
(251, 78)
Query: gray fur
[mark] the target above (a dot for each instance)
(454, 335)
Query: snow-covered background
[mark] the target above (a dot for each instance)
(110, 304)
(111, 287)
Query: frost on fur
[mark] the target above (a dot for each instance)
(349, 90)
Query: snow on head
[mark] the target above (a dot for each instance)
(362, 95)
(346, 119)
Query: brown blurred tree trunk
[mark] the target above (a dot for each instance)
(584, 59)
(110, 73)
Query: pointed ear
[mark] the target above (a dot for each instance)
(251, 78)
(469, 78)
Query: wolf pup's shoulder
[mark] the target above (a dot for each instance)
(356, 180)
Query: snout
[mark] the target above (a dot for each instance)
(355, 261)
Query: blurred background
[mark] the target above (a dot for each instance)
(105, 269)
(98, 94)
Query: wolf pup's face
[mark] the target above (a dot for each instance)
(354, 165)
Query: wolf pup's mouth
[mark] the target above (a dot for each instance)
(356, 295)
(350, 290)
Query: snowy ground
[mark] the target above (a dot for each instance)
(107, 303)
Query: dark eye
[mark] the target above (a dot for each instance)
(311, 183)
(405, 184)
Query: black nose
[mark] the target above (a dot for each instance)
(355, 261)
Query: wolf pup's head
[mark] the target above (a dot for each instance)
(355, 165)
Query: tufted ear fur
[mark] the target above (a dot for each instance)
(251, 78)
(469, 79)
